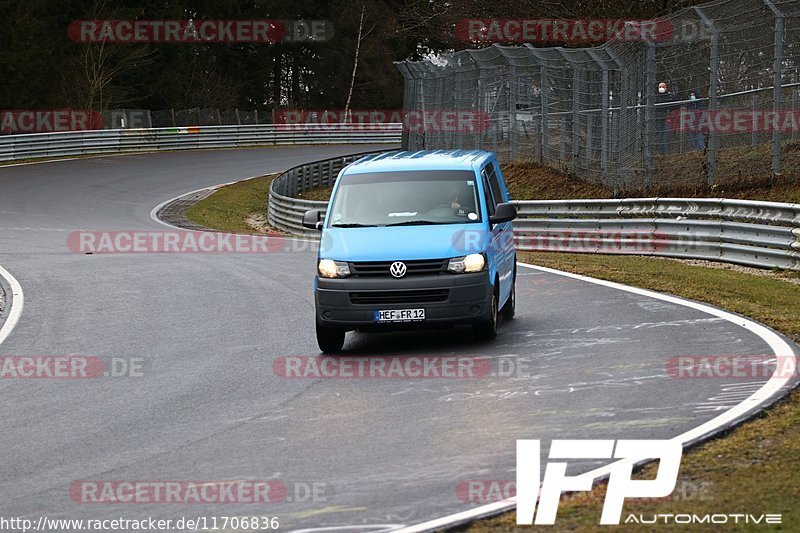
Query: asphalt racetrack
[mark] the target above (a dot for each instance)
(580, 360)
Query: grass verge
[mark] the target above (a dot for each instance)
(754, 468)
(230, 207)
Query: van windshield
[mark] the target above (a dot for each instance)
(405, 199)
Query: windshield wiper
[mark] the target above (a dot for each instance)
(416, 223)
(353, 225)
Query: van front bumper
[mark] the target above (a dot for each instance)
(350, 303)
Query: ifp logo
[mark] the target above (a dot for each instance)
(620, 484)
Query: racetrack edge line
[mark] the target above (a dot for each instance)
(15, 307)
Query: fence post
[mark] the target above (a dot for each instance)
(544, 150)
(713, 99)
(649, 112)
(604, 110)
(576, 103)
(622, 102)
(562, 134)
(794, 109)
(776, 89)
(477, 139)
(753, 134)
(512, 104)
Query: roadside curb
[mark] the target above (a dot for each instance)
(174, 211)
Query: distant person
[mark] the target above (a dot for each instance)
(696, 138)
(663, 131)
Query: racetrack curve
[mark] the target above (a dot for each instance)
(581, 360)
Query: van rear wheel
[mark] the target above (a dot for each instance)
(330, 340)
(487, 331)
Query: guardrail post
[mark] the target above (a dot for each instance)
(777, 89)
(713, 97)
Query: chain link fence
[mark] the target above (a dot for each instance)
(170, 118)
(597, 112)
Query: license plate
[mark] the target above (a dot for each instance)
(400, 315)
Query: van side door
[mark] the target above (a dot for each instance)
(501, 242)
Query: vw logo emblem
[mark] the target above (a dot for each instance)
(398, 269)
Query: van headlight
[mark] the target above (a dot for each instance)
(467, 263)
(333, 269)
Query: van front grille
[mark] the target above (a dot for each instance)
(413, 268)
(399, 297)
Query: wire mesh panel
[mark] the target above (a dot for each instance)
(710, 99)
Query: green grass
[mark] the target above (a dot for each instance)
(754, 468)
(229, 207)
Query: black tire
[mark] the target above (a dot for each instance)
(330, 340)
(486, 331)
(510, 308)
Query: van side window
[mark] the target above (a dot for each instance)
(495, 183)
(487, 190)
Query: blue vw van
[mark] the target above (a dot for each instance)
(415, 239)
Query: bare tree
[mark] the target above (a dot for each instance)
(98, 65)
(355, 62)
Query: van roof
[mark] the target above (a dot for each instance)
(420, 160)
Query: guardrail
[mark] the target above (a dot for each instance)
(744, 232)
(72, 143)
(285, 211)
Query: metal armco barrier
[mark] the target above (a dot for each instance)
(285, 211)
(744, 232)
(72, 143)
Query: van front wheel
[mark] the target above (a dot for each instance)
(510, 309)
(487, 331)
(330, 340)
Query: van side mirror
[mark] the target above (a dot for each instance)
(313, 219)
(504, 212)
